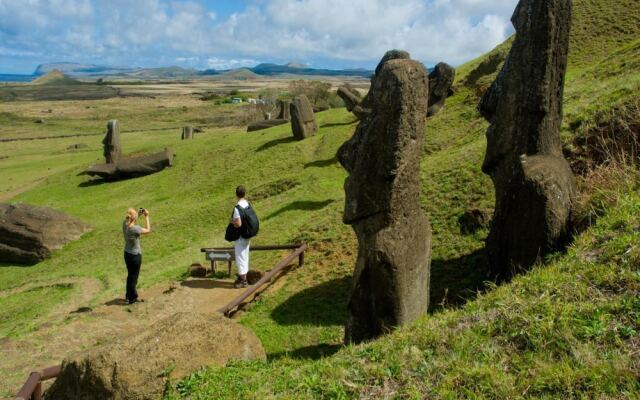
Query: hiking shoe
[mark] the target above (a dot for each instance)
(240, 284)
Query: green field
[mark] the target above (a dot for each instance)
(568, 329)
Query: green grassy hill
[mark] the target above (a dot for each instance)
(567, 329)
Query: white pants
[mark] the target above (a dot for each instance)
(242, 255)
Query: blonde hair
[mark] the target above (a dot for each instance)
(131, 216)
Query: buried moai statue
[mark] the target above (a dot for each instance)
(534, 185)
(440, 83)
(303, 120)
(391, 278)
(351, 98)
(187, 133)
(111, 142)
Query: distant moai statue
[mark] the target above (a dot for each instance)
(391, 278)
(187, 133)
(440, 83)
(535, 188)
(111, 142)
(284, 106)
(303, 120)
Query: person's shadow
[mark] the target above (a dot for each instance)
(116, 302)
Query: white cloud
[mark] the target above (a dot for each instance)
(334, 32)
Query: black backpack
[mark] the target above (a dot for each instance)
(250, 223)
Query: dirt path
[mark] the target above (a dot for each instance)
(74, 327)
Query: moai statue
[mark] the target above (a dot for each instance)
(391, 278)
(284, 106)
(440, 83)
(111, 142)
(187, 133)
(303, 120)
(350, 96)
(535, 188)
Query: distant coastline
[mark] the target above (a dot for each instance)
(16, 78)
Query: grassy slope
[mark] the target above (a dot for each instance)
(568, 329)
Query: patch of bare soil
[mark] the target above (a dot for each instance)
(76, 327)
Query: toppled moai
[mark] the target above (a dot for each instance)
(535, 188)
(30, 234)
(117, 167)
(391, 278)
(350, 96)
(283, 117)
(111, 142)
(187, 133)
(303, 120)
(440, 83)
(133, 167)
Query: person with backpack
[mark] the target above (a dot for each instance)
(245, 223)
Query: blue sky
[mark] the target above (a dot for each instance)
(225, 34)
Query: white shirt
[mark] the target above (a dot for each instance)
(242, 203)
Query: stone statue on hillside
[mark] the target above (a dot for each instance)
(283, 106)
(111, 142)
(352, 101)
(303, 120)
(440, 83)
(283, 117)
(535, 187)
(391, 278)
(187, 133)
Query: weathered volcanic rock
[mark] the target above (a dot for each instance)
(391, 278)
(474, 219)
(139, 367)
(132, 167)
(303, 120)
(440, 83)
(535, 187)
(111, 142)
(29, 234)
(197, 270)
(266, 124)
(254, 276)
(187, 133)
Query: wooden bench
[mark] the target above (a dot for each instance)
(215, 255)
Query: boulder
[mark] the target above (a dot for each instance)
(391, 278)
(535, 188)
(197, 270)
(474, 219)
(440, 83)
(303, 120)
(266, 124)
(29, 234)
(253, 276)
(132, 167)
(111, 142)
(187, 133)
(139, 367)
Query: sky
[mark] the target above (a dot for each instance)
(223, 34)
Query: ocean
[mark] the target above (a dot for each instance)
(16, 78)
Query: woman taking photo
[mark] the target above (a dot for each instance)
(132, 250)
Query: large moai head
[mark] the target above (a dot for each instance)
(303, 120)
(440, 83)
(391, 279)
(111, 142)
(534, 184)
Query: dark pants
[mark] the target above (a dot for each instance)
(133, 261)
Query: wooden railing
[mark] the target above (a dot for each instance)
(32, 388)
